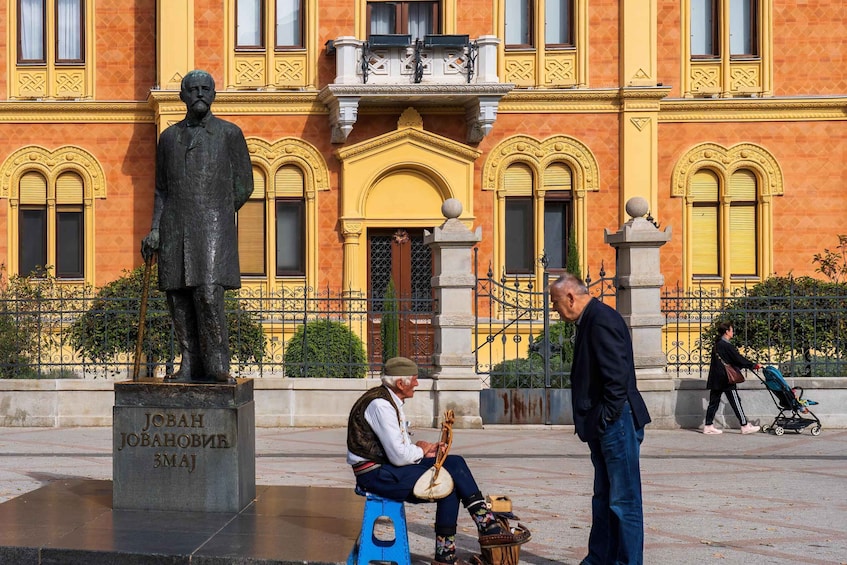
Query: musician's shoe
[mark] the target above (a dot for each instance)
(514, 535)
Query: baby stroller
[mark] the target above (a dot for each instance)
(786, 400)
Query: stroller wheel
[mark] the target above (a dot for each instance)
(816, 430)
(778, 430)
(765, 428)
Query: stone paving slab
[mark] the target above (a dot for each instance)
(753, 499)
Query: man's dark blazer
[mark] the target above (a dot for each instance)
(603, 372)
(203, 176)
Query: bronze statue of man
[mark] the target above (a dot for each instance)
(203, 176)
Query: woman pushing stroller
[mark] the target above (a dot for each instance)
(718, 383)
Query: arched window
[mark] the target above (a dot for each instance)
(278, 225)
(51, 232)
(541, 189)
(727, 231)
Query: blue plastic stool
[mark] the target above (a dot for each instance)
(368, 548)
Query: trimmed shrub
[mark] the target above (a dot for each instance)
(325, 348)
(529, 373)
(110, 326)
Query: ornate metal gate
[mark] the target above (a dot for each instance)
(522, 356)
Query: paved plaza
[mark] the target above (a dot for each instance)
(754, 499)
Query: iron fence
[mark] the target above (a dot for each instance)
(517, 344)
(797, 325)
(40, 335)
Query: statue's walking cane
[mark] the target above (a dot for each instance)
(142, 315)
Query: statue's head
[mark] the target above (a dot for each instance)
(197, 90)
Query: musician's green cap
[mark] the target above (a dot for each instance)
(400, 367)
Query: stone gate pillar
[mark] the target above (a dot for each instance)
(639, 281)
(456, 385)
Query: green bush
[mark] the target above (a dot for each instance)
(786, 317)
(110, 325)
(25, 321)
(324, 348)
(561, 344)
(529, 373)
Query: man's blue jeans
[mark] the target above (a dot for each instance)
(617, 526)
(397, 483)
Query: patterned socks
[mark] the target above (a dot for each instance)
(445, 549)
(485, 521)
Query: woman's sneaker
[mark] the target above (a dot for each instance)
(711, 430)
(749, 429)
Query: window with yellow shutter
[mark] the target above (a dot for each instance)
(252, 229)
(704, 224)
(519, 221)
(557, 214)
(70, 229)
(742, 224)
(32, 224)
(290, 222)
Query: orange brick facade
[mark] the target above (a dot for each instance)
(809, 56)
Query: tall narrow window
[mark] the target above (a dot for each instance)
(743, 41)
(519, 23)
(557, 214)
(290, 222)
(70, 233)
(31, 31)
(249, 24)
(556, 230)
(290, 236)
(32, 224)
(520, 230)
(704, 224)
(743, 242)
(69, 241)
(289, 24)
(33, 239)
(417, 18)
(705, 40)
(69, 31)
(558, 25)
(251, 229)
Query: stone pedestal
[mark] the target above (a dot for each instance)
(186, 447)
(639, 280)
(456, 384)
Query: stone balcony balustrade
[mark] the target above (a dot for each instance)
(393, 70)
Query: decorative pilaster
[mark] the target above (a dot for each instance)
(174, 42)
(457, 385)
(639, 281)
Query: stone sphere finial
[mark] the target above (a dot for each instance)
(637, 207)
(451, 208)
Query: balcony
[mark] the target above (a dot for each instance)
(439, 70)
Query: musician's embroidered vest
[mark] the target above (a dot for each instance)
(361, 439)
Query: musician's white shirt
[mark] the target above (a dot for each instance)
(399, 449)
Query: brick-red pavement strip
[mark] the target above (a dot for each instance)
(754, 499)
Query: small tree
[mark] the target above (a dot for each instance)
(389, 328)
(833, 264)
(572, 258)
(325, 348)
(110, 326)
(24, 321)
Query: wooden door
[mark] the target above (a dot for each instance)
(400, 256)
